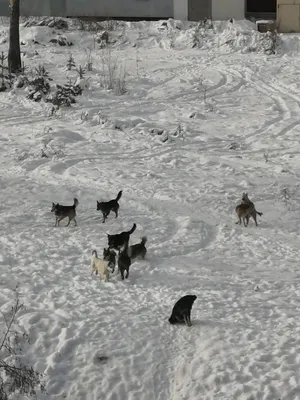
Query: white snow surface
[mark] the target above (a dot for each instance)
(236, 107)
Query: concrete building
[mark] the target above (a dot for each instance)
(288, 15)
(193, 10)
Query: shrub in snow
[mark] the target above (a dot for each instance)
(57, 23)
(89, 60)
(90, 26)
(15, 376)
(40, 87)
(61, 40)
(113, 74)
(65, 95)
(201, 31)
(102, 39)
(271, 42)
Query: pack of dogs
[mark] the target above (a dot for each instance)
(119, 253)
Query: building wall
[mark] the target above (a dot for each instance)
(226, 9)
(180, 9)
(121, 8)
(288, 15)
(221, 9)
(36, 8)
(4, 8)
(100, 8)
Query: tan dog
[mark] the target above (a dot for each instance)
(254, 212)
(243, 211)
(100, 267)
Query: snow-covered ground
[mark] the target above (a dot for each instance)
(203, 112)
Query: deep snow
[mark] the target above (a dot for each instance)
(225, 108)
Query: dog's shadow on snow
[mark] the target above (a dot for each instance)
(203, 322)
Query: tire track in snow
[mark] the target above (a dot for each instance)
(279, 97)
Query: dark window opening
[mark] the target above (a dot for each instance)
(261, 8)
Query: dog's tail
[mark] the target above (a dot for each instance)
(119, 195)
(132, 229)
(94, 253)
(259, 213)
(144, 240)
(76, 202)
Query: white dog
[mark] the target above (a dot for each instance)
(100, 267)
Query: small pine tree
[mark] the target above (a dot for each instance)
(42, 72)
(3, 57)
(65, 95)
(70, 63)
(81, 71)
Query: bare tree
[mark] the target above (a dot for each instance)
(14, 53)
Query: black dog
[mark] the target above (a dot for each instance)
(119, 240)
(62, 212)
(124, 262)
(110, 256)
(107, 206)
(181, 312)
(139, 249)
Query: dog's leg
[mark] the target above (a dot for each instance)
(56, 220)
(189, 318)
(104, 218)
(75, 222)
(254, 217)
(116, 212)
(127, 273)
(239, 221)
(122, 275)
(59, 219)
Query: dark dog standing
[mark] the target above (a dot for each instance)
(138, 249)
(110, 256)
(62, 212)
(124, 262)
(181, 312)
(107, 206)
(120, 239)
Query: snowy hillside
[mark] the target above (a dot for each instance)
(183, 118)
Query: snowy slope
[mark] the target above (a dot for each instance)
(224, 107)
